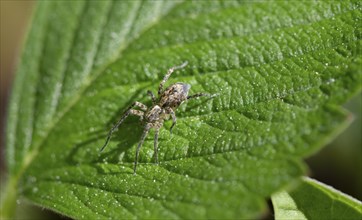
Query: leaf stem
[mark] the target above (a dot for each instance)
(8, 199)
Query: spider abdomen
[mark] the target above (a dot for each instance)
(174, 95)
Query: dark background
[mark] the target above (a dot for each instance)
(339, 164)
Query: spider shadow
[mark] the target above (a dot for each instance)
(128, 133)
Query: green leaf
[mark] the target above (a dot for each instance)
(280, 70)
(315, 200)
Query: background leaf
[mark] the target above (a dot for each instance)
(281, 70)
(301, 203)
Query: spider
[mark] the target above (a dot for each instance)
(162, 108)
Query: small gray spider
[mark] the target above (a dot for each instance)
(166, 104)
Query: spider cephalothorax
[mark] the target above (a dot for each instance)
(162, 107)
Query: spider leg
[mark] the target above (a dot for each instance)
(174, 119)
(124, 116)
(200, 95)
(144, 135)
(155, 144)
(140, 105)
(153, 97)
(137, 113)
(168, 74)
